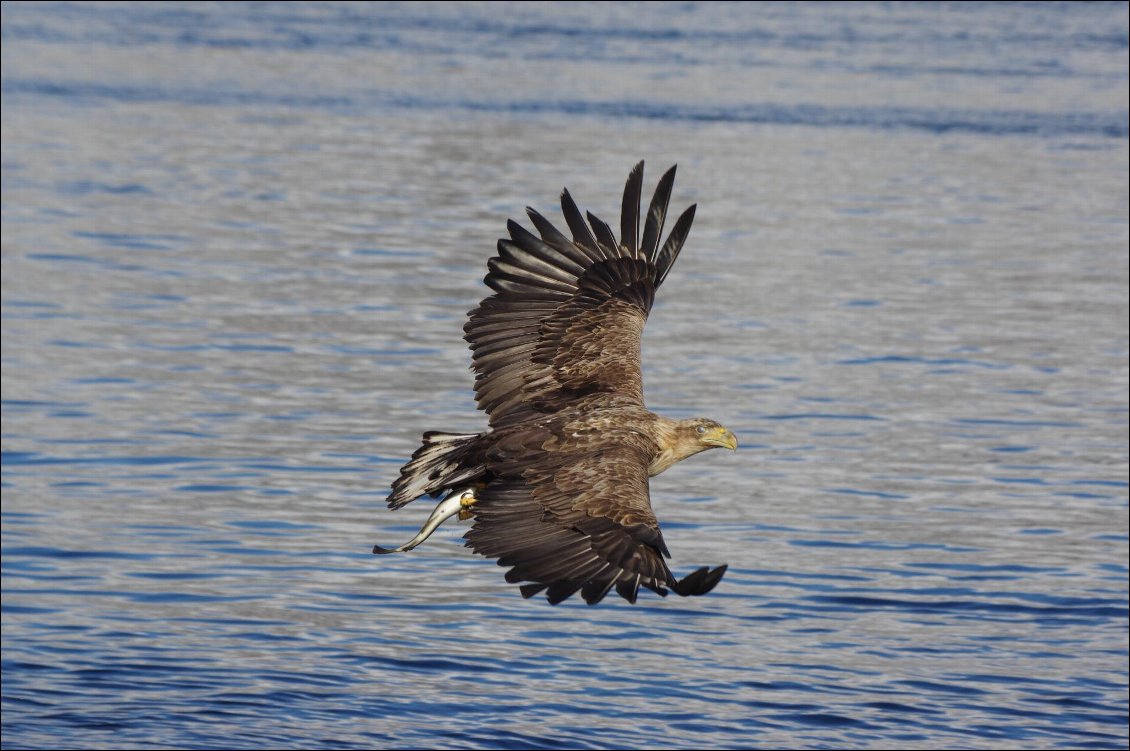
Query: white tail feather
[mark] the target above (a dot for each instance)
(435, 467)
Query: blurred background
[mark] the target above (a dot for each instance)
(239, 244)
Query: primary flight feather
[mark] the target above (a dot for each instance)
(558, 483)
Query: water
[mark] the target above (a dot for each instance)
(239, 242)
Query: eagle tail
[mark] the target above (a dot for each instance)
(437, 466)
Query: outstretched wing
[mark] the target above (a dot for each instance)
(567, 316)
(580, 522)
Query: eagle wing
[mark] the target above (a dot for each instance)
(566, 318)
(577, 520)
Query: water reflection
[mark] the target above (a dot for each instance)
(239, 246)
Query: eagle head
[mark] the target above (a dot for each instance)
(705, 434)
(679, 439)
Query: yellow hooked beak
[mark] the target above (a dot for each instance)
(721, 438)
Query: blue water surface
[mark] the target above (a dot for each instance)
(239, 244)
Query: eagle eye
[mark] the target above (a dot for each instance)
(700, 429)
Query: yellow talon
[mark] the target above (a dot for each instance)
(466, 501)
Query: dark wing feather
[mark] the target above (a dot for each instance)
(565, 321)
(657, 213)
(604, 236)
(670, 251)
(581, 234)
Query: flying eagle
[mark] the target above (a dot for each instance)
(558, 483)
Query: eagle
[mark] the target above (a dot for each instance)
(558, 482)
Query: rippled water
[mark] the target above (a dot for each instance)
(239, 242)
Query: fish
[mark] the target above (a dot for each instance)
(456, 503)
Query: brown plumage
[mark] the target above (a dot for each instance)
(561, 474)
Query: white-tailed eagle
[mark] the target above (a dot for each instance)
(558, 482)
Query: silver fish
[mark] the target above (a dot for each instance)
(455, 503)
